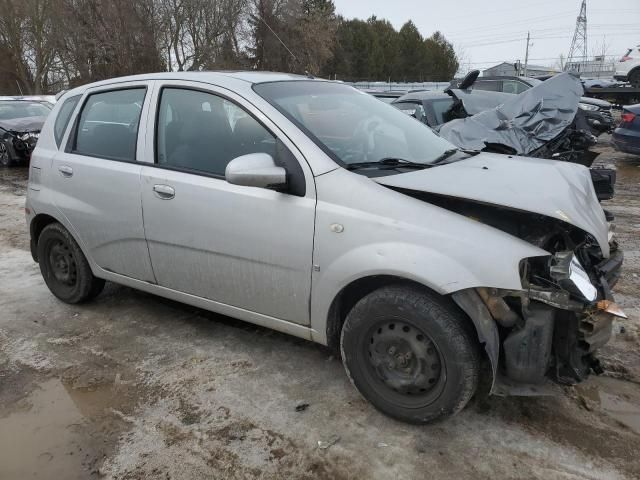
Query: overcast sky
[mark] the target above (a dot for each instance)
(486, 32)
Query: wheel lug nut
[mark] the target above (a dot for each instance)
(392, 350)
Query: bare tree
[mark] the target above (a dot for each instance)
(27, 36)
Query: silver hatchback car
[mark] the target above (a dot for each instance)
(312, 208)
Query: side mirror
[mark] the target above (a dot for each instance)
(255, 170)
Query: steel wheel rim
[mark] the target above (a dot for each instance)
(404, 362)
(62, 264)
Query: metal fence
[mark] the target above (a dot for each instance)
(387, 86)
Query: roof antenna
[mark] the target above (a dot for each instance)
(306, 72)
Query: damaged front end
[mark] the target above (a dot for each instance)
(23, 143)
(552, 327)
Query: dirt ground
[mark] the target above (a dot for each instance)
(133, 386)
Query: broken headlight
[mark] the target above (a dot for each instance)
(588, 107)
(567, 270)
(26, 136)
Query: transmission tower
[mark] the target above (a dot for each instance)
(578, 50)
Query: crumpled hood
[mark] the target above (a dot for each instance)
(23, 125)
(559, 190)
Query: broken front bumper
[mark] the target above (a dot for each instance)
(536, 334)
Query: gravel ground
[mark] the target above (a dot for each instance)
(133, 386)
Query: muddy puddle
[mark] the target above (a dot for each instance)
(58, 432)
(14, 179)
(616, 399)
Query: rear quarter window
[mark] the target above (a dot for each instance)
(64, 115)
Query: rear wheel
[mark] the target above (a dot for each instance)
(411, 354)
(64, 267)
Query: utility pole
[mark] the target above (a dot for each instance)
(526, 55)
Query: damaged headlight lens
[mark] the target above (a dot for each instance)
(567, 270)
(587, 107)
(27, 136)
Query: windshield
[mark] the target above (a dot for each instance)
(12, 110)
(352, 126)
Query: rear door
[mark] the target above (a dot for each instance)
(245, 247)
(96, 178)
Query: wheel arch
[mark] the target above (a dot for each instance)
(466, 301)
(36, 226)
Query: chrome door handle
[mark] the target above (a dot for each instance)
(164, 192)
(65, 170)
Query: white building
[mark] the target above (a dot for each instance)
(506, 69)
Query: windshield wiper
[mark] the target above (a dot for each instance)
(388, 163)
(446, 154)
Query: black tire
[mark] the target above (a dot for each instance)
(411, 353)
(5, 155)
(64, 267)
(634, 78)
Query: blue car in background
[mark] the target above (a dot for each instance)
(626, 138)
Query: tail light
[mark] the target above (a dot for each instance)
(628, 117)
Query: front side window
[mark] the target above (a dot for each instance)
(352, 126)
(440, 108)
(64, 115)
(108, 125)
(203, 132)
(413, 109)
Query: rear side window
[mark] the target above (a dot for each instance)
(108, 124)
(488, 85)
(64, 115)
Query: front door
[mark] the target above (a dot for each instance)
(96, 179)
(241, 246)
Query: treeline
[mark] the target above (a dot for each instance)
(48, 45)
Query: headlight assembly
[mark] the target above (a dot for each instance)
(29, 135)
(569, 273)
(587, 107)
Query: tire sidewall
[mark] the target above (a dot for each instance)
(7, 161)
(78, 292)
(452, 342)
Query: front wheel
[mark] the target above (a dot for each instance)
(64, 267)
(634, 78)
(5, 157)
(411, 353)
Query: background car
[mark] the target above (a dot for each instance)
(628, 67)
(20, 125)
(386, 96)
(626, 137)
(598, 113)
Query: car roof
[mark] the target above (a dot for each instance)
(212, 76)
(423, 95)
(23, 100)
(249, 77)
